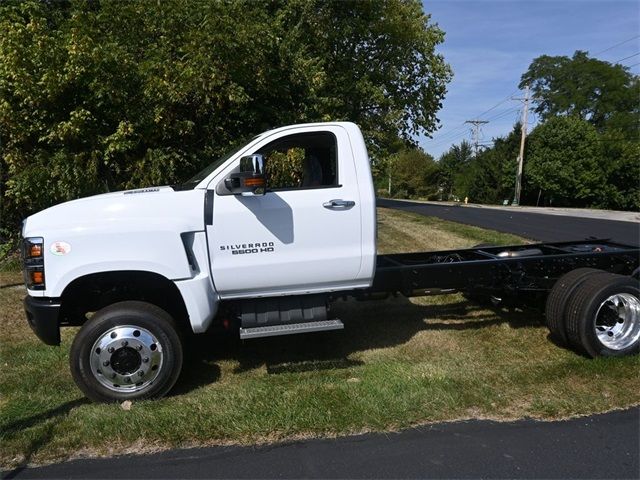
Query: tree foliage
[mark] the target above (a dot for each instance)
(622, 171)
(607, 97)
(491, 177)
(413, 173)
(454, 166)
(604, 94)
(565, 161)
(99, 96)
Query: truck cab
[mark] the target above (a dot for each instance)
(273, 227)
(312, 230)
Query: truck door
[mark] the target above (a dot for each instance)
(304, 234)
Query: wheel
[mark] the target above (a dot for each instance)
(603, 316)
(126, 351)
(557, 300)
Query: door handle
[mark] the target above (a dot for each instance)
(338, 204)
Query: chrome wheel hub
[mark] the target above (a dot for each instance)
(617, 322)
(126, 359)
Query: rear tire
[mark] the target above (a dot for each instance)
(126, 351)
(603, 316)
(561, 292)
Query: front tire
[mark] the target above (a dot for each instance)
(127, 351)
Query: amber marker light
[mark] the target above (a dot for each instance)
(254, 182)
(35, 250)
(37, 277)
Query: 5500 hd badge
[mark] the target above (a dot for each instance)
(244, 248)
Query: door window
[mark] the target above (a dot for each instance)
(301, 161)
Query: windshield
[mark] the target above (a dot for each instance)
(205, 172)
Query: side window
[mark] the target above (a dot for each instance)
(303, 160)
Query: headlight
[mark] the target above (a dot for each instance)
(33, 258)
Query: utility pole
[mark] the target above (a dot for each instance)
(525, 111)
(476, 132)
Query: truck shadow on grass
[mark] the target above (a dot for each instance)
(368, 325)
(47, 422)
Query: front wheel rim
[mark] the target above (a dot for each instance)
(126, 359)
(617, 321)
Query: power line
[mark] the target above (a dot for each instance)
(451, 140)
(451, 133)
(625, 58)
(454, 134)
(451, 137)
(504, 114)
(498, 104)
(616, 45)
(629, 66)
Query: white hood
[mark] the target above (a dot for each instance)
(153, 207)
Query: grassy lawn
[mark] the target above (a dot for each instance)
(398, 363)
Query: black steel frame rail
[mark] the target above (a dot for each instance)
(516, 269)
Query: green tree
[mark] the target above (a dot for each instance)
(454, 165)
(413, 173)
(599, 92)
(99, 96)
(564, 162)
(621, 189)
(608, 97)
(371, 61)
(492, 173)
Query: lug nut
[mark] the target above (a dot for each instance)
(113, 375)
(110, 350)
(145, 359)
(105, 363)
(128, 380)
(139, 347)
(141, 373)
(125, 343)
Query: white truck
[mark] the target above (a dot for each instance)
(273, 232)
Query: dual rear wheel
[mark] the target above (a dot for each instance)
(596, 312)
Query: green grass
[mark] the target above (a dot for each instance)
(398, 363)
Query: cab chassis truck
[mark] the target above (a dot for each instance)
(249, 247)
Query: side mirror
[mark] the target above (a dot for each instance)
(251, 179)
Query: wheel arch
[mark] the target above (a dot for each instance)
(94, 291)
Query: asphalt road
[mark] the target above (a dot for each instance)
(535, 226)
(601, 446)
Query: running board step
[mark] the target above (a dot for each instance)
(290, 329)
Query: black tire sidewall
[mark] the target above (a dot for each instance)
(141, 314)
(556, 303)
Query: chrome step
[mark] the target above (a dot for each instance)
(274, 330)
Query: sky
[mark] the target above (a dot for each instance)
(489, 44)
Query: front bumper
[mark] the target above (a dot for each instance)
(42, 315)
